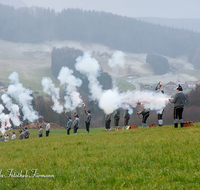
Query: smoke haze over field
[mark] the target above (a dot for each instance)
(110, 100)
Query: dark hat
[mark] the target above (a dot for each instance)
(69, 117)
(13, 132)
(40, 126)
(89, 111)
(76, 115)
(26, 128)
(7, 135)
(1, 136)
(179, 87)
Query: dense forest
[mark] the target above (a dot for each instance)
(159, 64)
(35, 25)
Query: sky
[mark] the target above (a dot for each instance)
(130, 8)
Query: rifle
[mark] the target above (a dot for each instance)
(158, 87)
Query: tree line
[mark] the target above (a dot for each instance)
(34, 25)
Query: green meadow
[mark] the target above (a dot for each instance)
(150, 158)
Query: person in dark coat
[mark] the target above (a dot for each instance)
(116, 118)
(1, 139)
(160, 114)
(40, 132)
(69, 125)
(21, 136)
(126, 118)
(87, 122)
(108, 121)
(26, 133)
(75, 124)
(179, 100)
(145, 114)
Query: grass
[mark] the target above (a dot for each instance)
(123, 84)
(151, 158)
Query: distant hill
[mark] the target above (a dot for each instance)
(181, 23)
(15, 3)
(35, 25)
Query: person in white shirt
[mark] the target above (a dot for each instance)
(6, 137)
(47, 124)
(13, 137)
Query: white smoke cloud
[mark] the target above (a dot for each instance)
(23, 97)
(111, 99)
(70, 83)
(13, 108)
(117, 60)
(4, 119)
(91, 68)
(150, 100)
(50, 89)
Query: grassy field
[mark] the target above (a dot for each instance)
(151, 158)
(123, 84)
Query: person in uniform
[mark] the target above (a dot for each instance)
(26, 133)
(75, 124)
(13, 137)
(48, 126)
(126, 118)
(21, 136)
(107, 121)
(145, 114)
(179, 100)
(69, 125)
(116, 118)
(87, 122)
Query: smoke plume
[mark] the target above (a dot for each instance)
(22, 96)
(13, 108)
(50, 89)
(70, 83)
(117, 60)
(4, 119)
(90, 68)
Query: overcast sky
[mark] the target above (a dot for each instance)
(132, 8)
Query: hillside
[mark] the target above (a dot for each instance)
(37, 25)
(181, 23)
(33, 61)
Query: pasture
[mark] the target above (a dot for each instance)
(150, 158)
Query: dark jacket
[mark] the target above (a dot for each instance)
(26, 133)
(76, 123)
(126, 114)
(69, 124)
(107, 117)
(40, 132)
(117, 113)
(21, 136)
(179, 100)
(88, 117)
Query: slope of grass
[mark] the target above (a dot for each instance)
(151, 158)
(123, 84)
